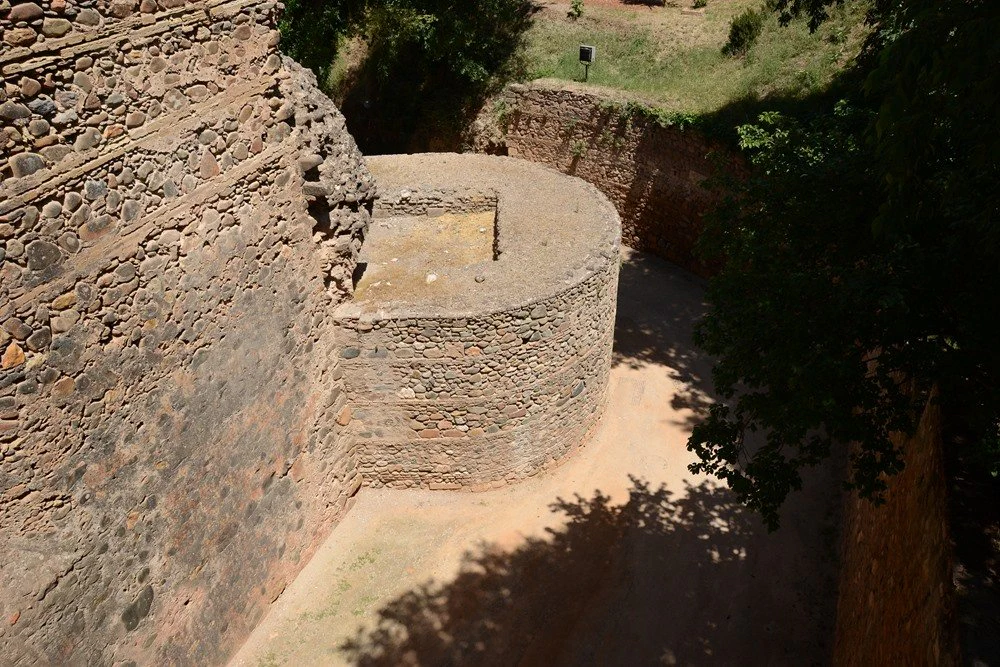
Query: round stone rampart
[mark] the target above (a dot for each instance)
(500, 367)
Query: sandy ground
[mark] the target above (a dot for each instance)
(412, 256)
(618, 557)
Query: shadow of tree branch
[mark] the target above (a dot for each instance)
(658, 307)
(598, 590)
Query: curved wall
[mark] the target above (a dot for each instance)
(490, 394)
(653, 174)
(450, 403)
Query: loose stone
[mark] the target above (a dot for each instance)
(88, 17)
(42, 255)
(95, 189)
(43, 106)
(12, 357)
(13, 111)
(27, 11)
(53, 209)
(135, 119)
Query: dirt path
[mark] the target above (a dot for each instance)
(618, 557)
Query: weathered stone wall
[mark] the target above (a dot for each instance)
(169, 383)
(653, 174)
(481, 400)
(895, 604)
(505, 384)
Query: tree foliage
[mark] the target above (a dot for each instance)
(427, 64)
(861, 260)
(744, 30)
(311, 30)
(469, 41)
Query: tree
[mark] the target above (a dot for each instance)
(473, 42)
(861, 263)
(311, 30)
(428, 63)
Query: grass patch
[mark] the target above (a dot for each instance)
(674, 59)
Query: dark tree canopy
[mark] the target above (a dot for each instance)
(469, 41)
(311, 30)
(426, 68)
(861, 260)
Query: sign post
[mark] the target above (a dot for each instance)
(588, 54)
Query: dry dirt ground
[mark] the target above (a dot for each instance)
(635, 5)
(409, 254)
(618, 557)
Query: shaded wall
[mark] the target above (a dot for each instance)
(169, 457)
(895, 604)
(653, 174)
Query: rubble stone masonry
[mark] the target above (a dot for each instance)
(181, 215)
(503, 369)
(655, 175)
(896, 602)
(180, 209)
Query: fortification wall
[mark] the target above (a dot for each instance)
(895, 603)
(501, 374)
(494, 397)
(169, 382)
(653, 174)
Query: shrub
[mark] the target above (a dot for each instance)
(698, 4)
(743, 32)
(575, 9)
(501, 113)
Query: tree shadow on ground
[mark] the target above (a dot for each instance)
(658, 306)
(659, 579)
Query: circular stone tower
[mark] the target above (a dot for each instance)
(477, 348)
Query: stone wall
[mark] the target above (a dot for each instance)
(895, 604)
(653, 174)
(180, 210)
(505, 384)
(481, 400)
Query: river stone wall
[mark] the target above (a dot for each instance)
(654, 174)
(501, 374)
(180, 210)
(447, 403)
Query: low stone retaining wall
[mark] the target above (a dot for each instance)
(491, 398)
(653, 174)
